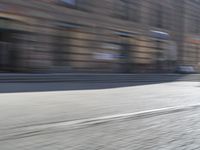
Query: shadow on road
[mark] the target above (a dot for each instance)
(62, 82)
(44, 87)
(69, 86)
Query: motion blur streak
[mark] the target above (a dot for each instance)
(99, 74)
(126, 36)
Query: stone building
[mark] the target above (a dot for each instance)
(96, 35)
(191, 36)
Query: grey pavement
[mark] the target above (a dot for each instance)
(22, 109)
(176, 131)
(35, 108)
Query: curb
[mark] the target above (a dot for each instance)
(25, 78)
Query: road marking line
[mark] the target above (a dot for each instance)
(23, 132)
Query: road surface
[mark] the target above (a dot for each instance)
(177, 130)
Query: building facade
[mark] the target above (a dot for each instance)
(191, 40)
(126, 36)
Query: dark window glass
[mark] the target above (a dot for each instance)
(127, 9)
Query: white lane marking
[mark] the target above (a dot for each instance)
(34, 130)
(116, 117)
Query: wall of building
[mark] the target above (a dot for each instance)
(191, 42)
(97, 36)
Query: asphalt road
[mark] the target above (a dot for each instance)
(20, 110)
(177, 131)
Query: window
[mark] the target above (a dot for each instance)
(160, 16)
(133, 10)
(127, 9)
(193, 25)
(121, 9)
(197, 25)
(85, 5)
(69, 2)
